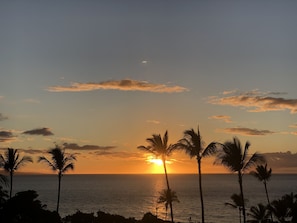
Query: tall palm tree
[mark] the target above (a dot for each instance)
(159, 147)
(11, 162)
(59, 162)
(192, 145)
(237, 203)
(259, 213)
(167, 197)
(236, 159)
(263, 175)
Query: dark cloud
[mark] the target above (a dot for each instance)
(247, 131)
(41, 131)
(282, 162)
(2, 117)
(6, 136)
(74, 146)
(256, 101)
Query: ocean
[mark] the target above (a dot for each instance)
(135, 195)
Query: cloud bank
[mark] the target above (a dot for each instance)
(282, 162)
(121, 85)
(247, 131)
(256, 101)
(6, 136)
(40, 131)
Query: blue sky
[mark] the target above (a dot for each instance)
(111, 73)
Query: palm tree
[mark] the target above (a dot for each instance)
(237, 203)
(167, 197)
(11, 162)
(236, 160)
(259, 213)
(59, 162)
(160, 148)
(192, 144)
(263, 175)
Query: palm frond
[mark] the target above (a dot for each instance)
(254, 160)
(45, 160)
(23, 161)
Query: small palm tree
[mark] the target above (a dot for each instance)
(237, 203)
(263, 175)
(167, 197)
(280, 209)
(236, 160)
(192, 145)
(59, 162)
(11, 162)
(259, 213)
(159, 147)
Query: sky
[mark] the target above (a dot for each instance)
(100, 77)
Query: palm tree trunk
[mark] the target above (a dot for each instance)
(59, 189)
(200, 188)
(168, 188)
(266, 191)
(11, 176)
(242, 197)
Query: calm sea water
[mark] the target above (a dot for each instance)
(134, 195)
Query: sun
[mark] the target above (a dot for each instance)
(158, 162)
(156, 165)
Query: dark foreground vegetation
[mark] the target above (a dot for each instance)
(25, 207)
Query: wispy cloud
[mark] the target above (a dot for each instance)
(2, 117)
(74, 146)
(247, 131)
(293, 126)
(39, 131)
(6, 136)
(122, 85)
(153, 121)
(224, 118)
(256, 101)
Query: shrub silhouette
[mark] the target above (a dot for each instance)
(25, 208)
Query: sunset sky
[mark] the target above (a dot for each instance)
(99, 77)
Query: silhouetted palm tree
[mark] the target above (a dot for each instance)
(263, 175)
(236, 160)
(259, 213)
(167, 197)
(160, 148)
(59, 162)
(192, 144)
(237, 203)
(11, 162)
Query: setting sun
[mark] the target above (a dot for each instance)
(158, 162)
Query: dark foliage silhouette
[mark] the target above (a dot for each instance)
(259, 214)
(236, 159)
(11, 162)
(61, 163)
(25, 208)
(167, 197)
(285, 209)
(192, 145)
(236, 203)
(160, 148)
(263, 174)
